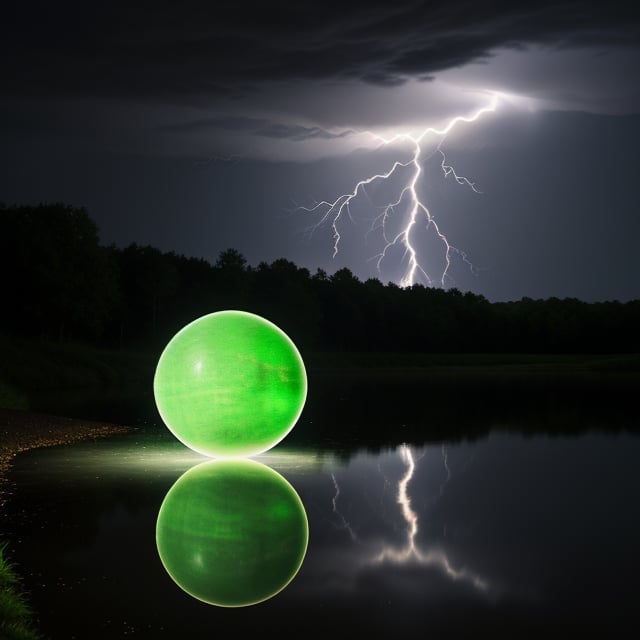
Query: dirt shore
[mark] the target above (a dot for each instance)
(24, 430)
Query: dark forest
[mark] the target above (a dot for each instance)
(62, 284)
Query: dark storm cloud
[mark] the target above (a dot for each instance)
(257, 126)
(229, 123)
(299, 133)
(179, 51)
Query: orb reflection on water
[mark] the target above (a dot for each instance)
(232, 533)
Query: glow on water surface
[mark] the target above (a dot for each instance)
(439, 531)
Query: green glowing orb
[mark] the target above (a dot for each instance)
(230, 384)
(232, 532)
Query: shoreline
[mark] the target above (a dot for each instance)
(23, 430)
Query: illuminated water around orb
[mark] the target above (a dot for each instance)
(230, 383)
(232, 533)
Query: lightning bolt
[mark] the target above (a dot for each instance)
(446, 466)
(334, 502)
(411, 552)
(332, 213)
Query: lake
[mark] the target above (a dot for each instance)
(501, 529)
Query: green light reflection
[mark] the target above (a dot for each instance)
(158, 455)
(232, 533)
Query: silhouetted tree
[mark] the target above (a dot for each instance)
(148, 279)
(232, 281)
(59, 282)
(282, 293)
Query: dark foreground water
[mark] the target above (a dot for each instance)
(508, 534)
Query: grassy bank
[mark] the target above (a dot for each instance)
(33, 373)
(479, 373)
(16, 616)
(88, 382)
(477, 361)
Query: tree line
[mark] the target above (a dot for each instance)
(61, 283)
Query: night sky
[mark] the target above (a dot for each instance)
(198, 126)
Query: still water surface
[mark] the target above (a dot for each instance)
(507, 533)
